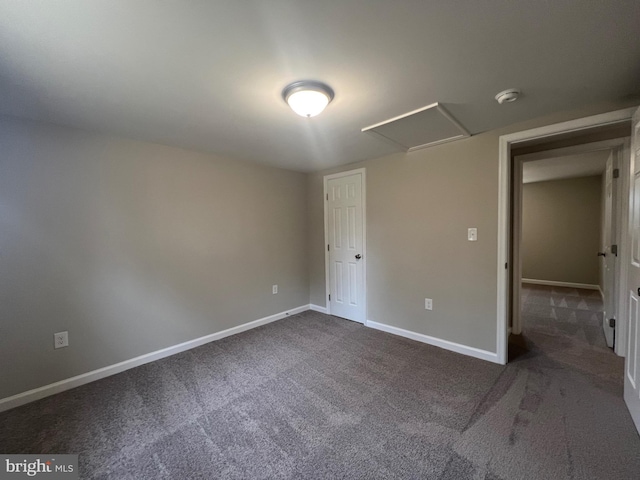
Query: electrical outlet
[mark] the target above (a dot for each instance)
(428, 304)
(472, 234)
(60, 339)
(274, 289)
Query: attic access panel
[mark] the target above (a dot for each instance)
(427, 126)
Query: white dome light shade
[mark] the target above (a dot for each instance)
(307, 99)
(308, 103)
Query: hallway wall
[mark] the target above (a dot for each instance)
(561, 230)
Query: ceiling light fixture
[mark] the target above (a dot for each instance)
(307, 98)
(508, 96)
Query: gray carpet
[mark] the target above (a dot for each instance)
(314, 396)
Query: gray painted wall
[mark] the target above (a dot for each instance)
(561, 230)
(133, 247)
(419, 206)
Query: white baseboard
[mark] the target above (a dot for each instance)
(317, 308)
(69, 383)
(552, 283)
(437, 342)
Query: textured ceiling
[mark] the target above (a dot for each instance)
(208, 75)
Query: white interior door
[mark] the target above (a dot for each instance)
(609, 258)
(632, 361)
(345, 236)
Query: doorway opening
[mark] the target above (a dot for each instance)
(566, 231)
(575, 134)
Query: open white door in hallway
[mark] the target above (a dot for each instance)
(632, 361)
(608, 253)
(344, 196)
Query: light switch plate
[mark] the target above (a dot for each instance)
(472, 234)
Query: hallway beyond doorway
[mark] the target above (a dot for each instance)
(563, 327)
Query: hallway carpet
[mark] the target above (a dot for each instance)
(314, 396)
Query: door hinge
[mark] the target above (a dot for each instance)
(506, 266)
(616, 172)
(612, 322)
(329, 297)
(327, 196)
(327, 248)
(614, 250)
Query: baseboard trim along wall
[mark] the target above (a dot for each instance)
(317, 308)
(437, 342)
(552, 283)
(69, 383)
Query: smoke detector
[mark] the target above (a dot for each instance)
(507, 96)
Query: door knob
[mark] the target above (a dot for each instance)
(602, 254)
(358, 257)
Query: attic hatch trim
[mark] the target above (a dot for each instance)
(464, 133)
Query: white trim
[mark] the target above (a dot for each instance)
(327, 279)
(504, 171)
(609, 118)
(503, 251)
(464, 133)
(516, 268)
(400, 117)
(573, 150)
(624, 250)
(553, 283)
(437, 342)
(317, 308)
(69, 383)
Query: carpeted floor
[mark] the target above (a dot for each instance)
(314, 396)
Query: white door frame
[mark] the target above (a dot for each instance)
(327, 271)
(504, 182)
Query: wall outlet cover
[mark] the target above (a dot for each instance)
(60, 339)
